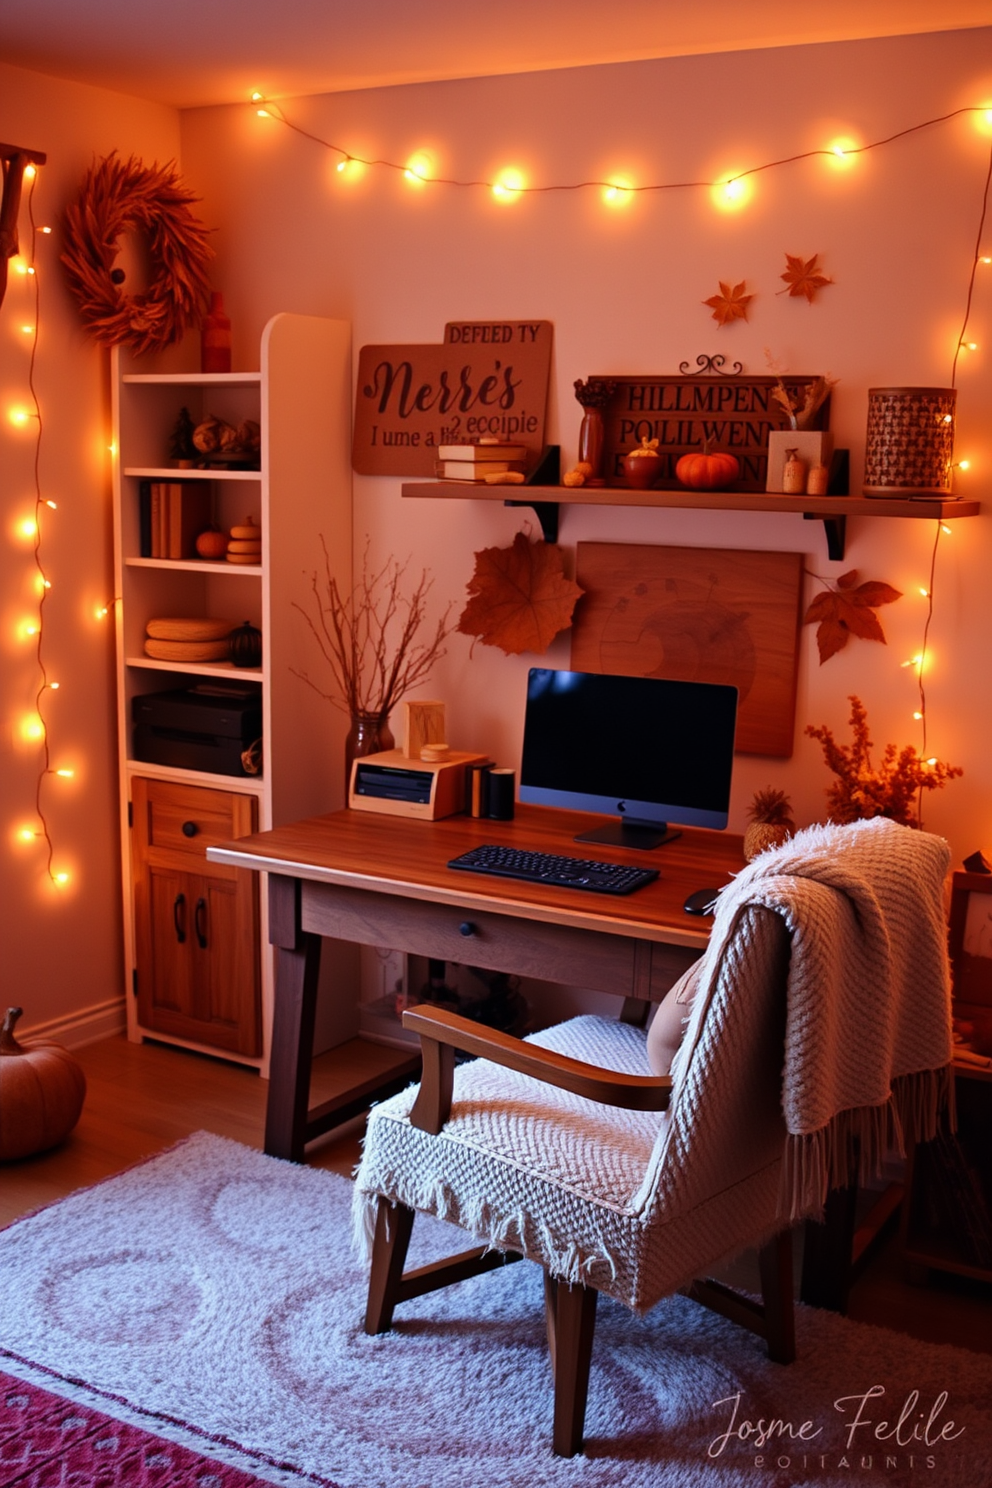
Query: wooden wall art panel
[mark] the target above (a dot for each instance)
(697, 615)
(488, 379)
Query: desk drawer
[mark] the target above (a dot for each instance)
(556, 953)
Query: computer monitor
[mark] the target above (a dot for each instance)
(644, 749)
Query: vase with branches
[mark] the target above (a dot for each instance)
(371, 642)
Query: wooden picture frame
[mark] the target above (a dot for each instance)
(970, 943)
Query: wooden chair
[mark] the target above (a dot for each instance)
(581, 1174)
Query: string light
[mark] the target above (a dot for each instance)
(34, 726)
(729, 192)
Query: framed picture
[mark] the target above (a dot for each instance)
(970, 941)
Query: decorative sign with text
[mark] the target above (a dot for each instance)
(735, 414)
(487, 380)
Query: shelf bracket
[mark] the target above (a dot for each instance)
(547, 472)
(835, 528)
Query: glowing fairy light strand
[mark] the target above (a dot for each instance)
(44, 586)
(272, 111)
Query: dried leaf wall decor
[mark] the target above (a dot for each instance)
(848, 610)
(519, 597)
(804, 277)
(730, 304)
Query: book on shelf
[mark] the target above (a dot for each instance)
(474, 469)
(145, 520)
(482, 452)
(177, 513)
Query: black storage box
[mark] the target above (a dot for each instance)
(205, 728)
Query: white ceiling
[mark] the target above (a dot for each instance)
(189, 53)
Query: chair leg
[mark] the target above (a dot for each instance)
(775, 1265)
(571, 1319)
(393, 1227)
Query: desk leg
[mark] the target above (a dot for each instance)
(297, 965)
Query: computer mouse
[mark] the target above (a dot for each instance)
(701, 902)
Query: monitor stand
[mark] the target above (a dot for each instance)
(621, 833)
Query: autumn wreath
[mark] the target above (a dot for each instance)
(116, 197)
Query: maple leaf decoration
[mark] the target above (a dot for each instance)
(729, 304)
(804, 277)
(519, 597)
(848, 610)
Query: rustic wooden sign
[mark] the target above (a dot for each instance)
(487, 379)
(697, 615)
(734, 413)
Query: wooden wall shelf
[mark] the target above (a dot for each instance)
(833, 511)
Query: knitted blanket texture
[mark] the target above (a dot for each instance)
(868, 1028)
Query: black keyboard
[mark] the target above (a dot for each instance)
(549, 868)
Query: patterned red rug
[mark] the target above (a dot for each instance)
(47, 1442)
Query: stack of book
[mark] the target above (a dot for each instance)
(172, 514)
(479, 463)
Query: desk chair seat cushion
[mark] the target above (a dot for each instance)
(578, 1186)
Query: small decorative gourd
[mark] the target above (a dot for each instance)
(771, 822)
(246, 645)
(703, 471)
(42, 1089)
(793, 474)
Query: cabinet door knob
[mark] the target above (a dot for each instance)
(190, 829)
(179, 917)
(466, 928)
(200, 923)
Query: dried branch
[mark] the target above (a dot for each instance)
(368, 638)
(862, 791)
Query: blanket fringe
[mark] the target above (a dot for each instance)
(856, 1143)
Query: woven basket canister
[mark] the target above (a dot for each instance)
(910, 445)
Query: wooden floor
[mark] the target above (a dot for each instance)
(142, 1098)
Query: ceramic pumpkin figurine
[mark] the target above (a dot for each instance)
(702, 471)
(42, 1089)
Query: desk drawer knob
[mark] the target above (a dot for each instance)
(466, 928)
(190, 829)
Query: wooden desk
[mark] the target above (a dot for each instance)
(383, 880)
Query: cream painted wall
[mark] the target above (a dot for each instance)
(896, 231)
(61, 950)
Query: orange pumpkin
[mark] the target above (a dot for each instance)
(42, 1089)
(706, 472)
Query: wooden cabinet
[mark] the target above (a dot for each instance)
(196, 922)
(947, 1215)
(218, 998)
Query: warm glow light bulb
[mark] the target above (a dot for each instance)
(54, 686)
(944, 528)
(18, 416)
(964, 464)
(66, 774)
(342, 165)
(917, 715)
(257, 97)
(30, 171)
(27, 834)
(60, 878)
(100, 612)
(28, 330)
(508, 186)
(925, 592)
(53, 505)
(45, 230)
(32, 728)
(730, 194)
(28, 527)
(262, 113)
(618, 193)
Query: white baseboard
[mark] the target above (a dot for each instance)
(87, 1026)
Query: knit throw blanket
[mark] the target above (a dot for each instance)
(868, 1024)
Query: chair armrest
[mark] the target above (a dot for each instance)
(442, 1032)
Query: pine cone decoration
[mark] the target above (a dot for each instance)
(771, 822)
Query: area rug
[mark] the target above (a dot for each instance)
(211, 1296)
(45, 1440)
